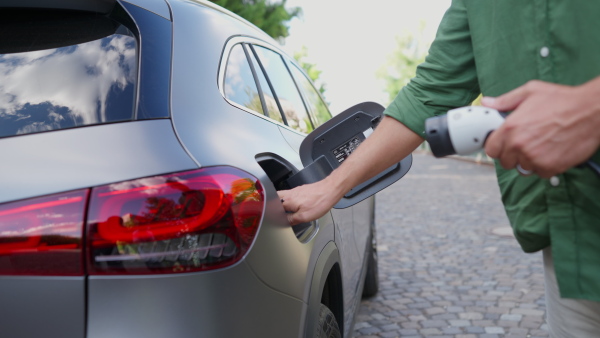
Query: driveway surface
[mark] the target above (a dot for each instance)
(448, 263)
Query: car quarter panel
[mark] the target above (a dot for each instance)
(42, 307)
(191, 305)
(215, 132)
(52, 162)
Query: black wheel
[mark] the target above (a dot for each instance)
(372, 277)
(327, 326)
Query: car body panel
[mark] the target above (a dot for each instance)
(190, 305)
(42, 307)
(48, 163)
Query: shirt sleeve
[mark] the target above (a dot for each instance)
(445, 80)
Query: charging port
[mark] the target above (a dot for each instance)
(279, 171)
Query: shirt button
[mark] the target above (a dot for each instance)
(554, 181)
(545, 51)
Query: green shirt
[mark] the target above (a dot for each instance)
(492, 47)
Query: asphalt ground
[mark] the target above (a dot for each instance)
(448, 263)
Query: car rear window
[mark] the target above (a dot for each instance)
(63, 69)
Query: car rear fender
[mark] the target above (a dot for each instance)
(326, 279)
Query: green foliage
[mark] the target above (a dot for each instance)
(310, 68)
(402, 64)
(271, 17)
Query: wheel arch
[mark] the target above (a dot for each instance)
(326, 288)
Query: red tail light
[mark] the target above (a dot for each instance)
(192, 221)
(42, 236)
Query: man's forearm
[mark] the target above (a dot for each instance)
(390, 142)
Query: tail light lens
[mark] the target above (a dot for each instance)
(192, 221)
(42, 236)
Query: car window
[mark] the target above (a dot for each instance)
(285, 90)
(318, 108)
(270, 102)
(239, 85)
(61, 70)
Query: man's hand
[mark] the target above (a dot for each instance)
(309, 202)
(551, 129)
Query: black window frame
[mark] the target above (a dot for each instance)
(303, 95)
(285, 61)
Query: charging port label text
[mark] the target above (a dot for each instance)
(342, 152)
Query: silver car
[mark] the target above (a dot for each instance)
(142, 144)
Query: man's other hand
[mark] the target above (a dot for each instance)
(551, 129)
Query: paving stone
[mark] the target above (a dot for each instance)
(410, 325)
(483, 323)
(434, 311)
(430, 332)
(390, 327)
(527, 312)
(512, 317)
(445, 316)
(407, 332)
(518, 331)
(417, 318)
(508, 323)
(474, 329)
(494, 330)
(452, 330)
(491, 316)
(378, 316)
(459, 323)
(434, 323)
(455, 309)
(470, 315)
(369, 330)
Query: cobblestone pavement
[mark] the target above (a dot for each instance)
(448, 264)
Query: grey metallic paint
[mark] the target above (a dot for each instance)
(52, 162)
(42, 307)
(227, 303)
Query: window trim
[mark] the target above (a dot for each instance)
(247, 50)
(269, 83)
(240, 39)
(303, 94)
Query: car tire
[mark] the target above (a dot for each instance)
(327, 326)
(372, 276)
